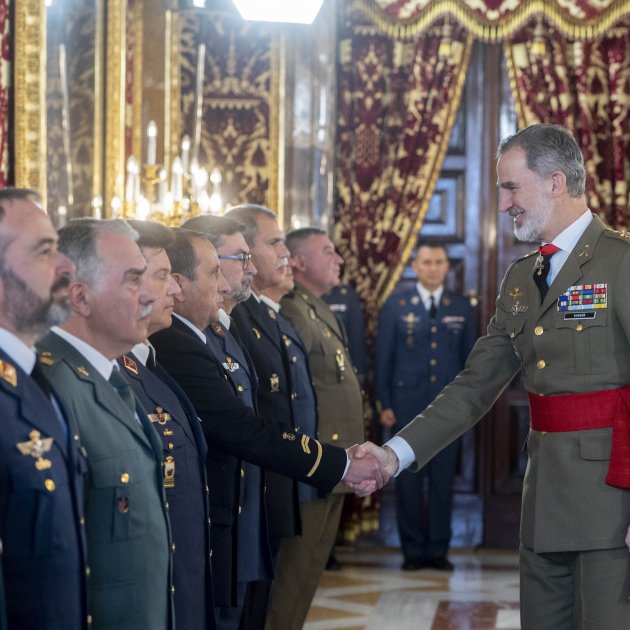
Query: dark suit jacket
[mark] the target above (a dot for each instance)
(41, 509)
(126, 515)
(184, 452)
(260, 335)
(233, 431)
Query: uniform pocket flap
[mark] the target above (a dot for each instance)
(115, 472)
(596, 444)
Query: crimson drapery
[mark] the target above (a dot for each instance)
(5, 73)
(377, 217)
(397, 104)
(584, 86)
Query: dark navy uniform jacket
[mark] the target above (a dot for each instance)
(233, 432)
(41, 509)
(261, 337)
(184, 451)
(416, 357)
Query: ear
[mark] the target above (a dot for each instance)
(80, 295)
(298, 262)
(558, 182)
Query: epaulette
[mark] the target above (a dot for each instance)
(623, 235)
(8, 373)
(45, 357)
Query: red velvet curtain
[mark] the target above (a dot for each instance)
(397, 103)
(584, 86)
(5, 73)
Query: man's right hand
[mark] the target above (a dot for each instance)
(387, 418)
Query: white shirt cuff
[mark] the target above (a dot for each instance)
(403, 451)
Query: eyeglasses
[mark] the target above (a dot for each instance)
(244, 258)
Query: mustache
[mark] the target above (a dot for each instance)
(283, 262)
(63, 282)
(146, 310)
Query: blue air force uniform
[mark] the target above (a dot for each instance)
(184, 454)
(42, 546)
(416, 356)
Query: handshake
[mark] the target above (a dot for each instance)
(371, 467)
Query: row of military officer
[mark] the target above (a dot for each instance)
(135, 442)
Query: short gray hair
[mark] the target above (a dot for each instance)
(78, 241)
(248, 214)
(550, 148)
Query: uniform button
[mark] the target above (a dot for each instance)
(538, 330)
(170, 446)
(211, 552)
(87, 572)
(82, 521)
(433, 345)
(579, 327)
(166, 505)
(433, 361)
(543, 433)
(173, 547)
(512, 335)
(433, 329)
(49, 484)
(335, 436)
(293, 359)
(293, 395)
(541, 364)
(242, 473)
(239, 388)
(239, 509)
(434, 378)
(89, 619)
(207, 490)
(124, 478)
(209, 521)
(173, 590)
(76, 437)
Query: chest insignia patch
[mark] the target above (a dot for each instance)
(36, 447)
(584, 297)
(230, 365)
(415, 300)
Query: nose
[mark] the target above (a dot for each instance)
(173, 287)
(505, 200)
(65, 267)
(223, 287)
(338, 258)
(147, 294)
(251, 268)
(282, 250)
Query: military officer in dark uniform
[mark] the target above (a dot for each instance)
(562, 321)
(42, 550)
(423, 339)
(232, 428)
(183, 444)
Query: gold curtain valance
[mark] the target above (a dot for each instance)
(495, 20)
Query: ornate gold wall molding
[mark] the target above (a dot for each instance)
(30, 110)
(115, 103)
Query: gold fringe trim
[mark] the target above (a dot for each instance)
(521, 116)
(412, 236)
(494, 31)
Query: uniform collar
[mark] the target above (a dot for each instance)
(191, 326)
(100, 362)
(17, 350)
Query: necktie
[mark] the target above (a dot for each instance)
(120, 384)
(151, 360)
(432, 308)
(541, 271)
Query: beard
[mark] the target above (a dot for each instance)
(26, 310)
(244, 290)
(533, 225)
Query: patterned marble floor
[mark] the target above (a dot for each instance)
(371, 592)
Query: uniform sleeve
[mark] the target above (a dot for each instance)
(491, 367)
(230, 425)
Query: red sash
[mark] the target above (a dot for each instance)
(593, 410)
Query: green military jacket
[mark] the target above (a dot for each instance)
(127, 528)
(339, 401)
(566, 504)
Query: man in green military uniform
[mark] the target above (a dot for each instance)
(562, 320)
(316, 267)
